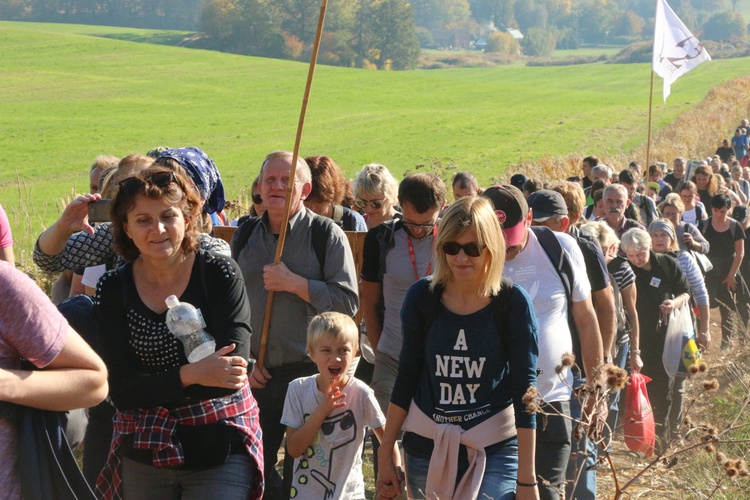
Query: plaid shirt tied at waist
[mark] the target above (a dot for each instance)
(154, 429)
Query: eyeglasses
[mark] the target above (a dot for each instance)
(470, 249)
(158, 179)
(257, 199)
(411, 226)
(376, 204)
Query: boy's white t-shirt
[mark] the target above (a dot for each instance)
(533, 271)
(331, 467)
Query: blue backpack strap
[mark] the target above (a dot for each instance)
(500, 308)
(429, 304)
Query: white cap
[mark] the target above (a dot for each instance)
(172, 301)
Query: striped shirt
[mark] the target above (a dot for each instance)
(694, 276)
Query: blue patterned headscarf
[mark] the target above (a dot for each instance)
(204, 173)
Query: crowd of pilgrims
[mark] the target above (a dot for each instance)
(461, 311)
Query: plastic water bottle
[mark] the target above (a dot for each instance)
(186, 323)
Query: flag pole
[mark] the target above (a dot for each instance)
(650, 103)
(292, 177)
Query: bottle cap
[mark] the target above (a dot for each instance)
(172, 301)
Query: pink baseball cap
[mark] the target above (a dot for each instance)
(511, 210)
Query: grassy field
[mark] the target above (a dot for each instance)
(609, 50)
(68, 97)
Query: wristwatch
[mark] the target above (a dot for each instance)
(607, 359)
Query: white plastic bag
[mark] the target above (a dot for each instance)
(680, 337)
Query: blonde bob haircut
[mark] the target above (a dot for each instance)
(376, 180)
(672, 200)
(601, 232)
(475, 213)
(332, 324)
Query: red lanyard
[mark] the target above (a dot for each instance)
(414, 259)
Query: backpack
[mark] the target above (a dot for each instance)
(429, 304)
(321, 227)
(645, 208)
(386, 240)
(703, 227)
(560, 261)
(699, 213)
(338, 215)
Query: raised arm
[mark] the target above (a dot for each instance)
(75, 217)
(82, 249)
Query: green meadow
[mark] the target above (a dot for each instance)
(68, 95)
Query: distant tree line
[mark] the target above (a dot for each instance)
(388, 34)
(156, 14)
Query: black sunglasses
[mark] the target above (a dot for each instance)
(158, 179)
(375, 204)
(471, 249)
(257, 199)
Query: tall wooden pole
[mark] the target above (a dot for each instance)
(648, 140)
(292, 177)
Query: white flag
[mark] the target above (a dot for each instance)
(676, 50)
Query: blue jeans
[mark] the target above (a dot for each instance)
(585, 488)
(233, 479)
(498, 483)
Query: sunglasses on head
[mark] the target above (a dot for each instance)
(376, 204)
(158, 179)
(257, 199)
(472, 249)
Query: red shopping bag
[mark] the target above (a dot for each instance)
(639, 419)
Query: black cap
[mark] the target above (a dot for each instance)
(740, 213)
(518, 180)
(546, 203)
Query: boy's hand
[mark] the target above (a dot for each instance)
(333, 399)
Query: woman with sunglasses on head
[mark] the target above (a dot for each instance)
(181, 429)
(376, 194)
(72, 243)
(469, 356)
(328, 190)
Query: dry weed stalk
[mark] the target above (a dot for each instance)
(692, 436)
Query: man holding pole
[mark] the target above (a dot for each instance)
(310, 279)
